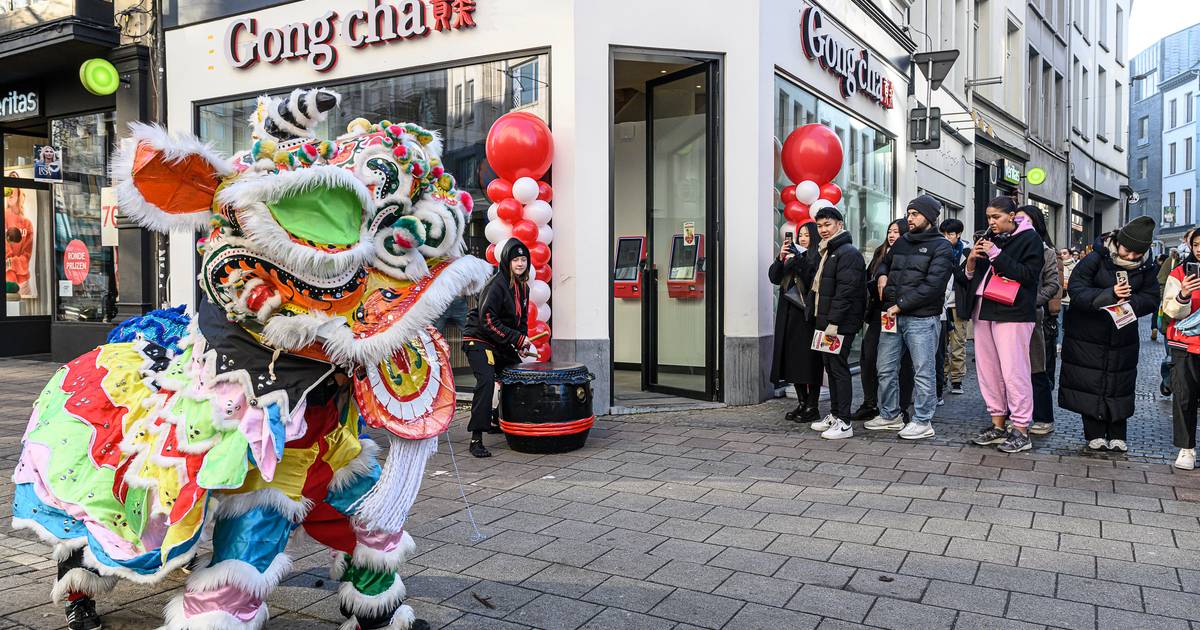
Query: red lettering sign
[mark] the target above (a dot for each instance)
(76, 262)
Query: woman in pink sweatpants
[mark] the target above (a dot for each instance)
(1002, 273)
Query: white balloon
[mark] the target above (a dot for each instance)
(493, 212)
(500, 246)
(497, 231)
(787, 228)
(543, 312)
(539, 292)
(817, 205)
(807, 192)
(525, 190)
(545, 234)
(539, 212)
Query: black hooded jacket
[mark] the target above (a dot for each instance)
(500, 318)
(918, 268)
(843, 286)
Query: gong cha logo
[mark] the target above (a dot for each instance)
(841, 58)
(387, 21)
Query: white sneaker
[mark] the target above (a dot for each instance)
(1186, 459)
(1117, 445)
(916, 431)
(823, 424)
(941, 401)
(879, 423)
(1098, 444)
(839, 431)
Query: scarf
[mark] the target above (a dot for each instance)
(1121, 263)
(822, 251)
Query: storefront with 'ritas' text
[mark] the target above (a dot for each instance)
(667, 118)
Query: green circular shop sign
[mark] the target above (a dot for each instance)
(1035, 175)
(99, 77)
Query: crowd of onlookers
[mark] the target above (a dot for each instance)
(926, 292)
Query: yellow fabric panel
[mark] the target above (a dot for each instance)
(290, 474)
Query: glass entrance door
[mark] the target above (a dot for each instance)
(679, 348)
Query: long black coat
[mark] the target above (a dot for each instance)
(794, 361)
(1100, 361)
(843, 290)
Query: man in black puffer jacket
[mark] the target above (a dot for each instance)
(839, 296)
(912, 281)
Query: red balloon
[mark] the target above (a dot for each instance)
(831, 192)
(544, 273)
(467, 200)
(533, 312)
(525, 231)
(545, 354)
(539, 254)
(538, 327)
(511, 211)
(795, 212)
(545, 192)
(491, 254)
(499, 190)
(788, 195)
(520, 144)
(812, 152)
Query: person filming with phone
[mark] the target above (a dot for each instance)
(1111, 288)
(1181, 300)
(793, 360)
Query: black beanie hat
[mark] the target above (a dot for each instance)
(929, 208)
(1137, 235)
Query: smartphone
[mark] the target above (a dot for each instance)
(1193, 269)
(787, 238)
(1122, 277)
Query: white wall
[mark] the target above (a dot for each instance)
(1184, 178)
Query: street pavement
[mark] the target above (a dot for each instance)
(736, 518)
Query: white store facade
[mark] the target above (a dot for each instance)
(666, 116)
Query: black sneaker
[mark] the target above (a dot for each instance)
(479, 450)
(864, 413)
(993, 435)
(956, 388)
(81, 615)
(1016, 442)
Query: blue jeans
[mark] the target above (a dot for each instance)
(920, 336)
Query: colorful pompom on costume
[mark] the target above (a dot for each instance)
(324, 264)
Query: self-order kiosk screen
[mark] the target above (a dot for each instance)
(683, 259)
(629, 254)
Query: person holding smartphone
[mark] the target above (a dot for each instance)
(1100, 351)
(1181, 298)
(794, 360)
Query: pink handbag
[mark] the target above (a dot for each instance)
(1001, 289)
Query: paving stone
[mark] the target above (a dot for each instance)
(787, 524)
(629, 540)
(941, 509)
(999, 516)
(758, 616)
(504, 599)
(618, 619)
(743, 538)
(687, 551)
(452, 558)
(803, 547)
(894, 520)
(758, 588)
(1171, 603)
(1166, 556)
(1023, 537)
(434, 585)
(1099, 592)
(506, 568)
(868, 557)
(1070, 563)
(984, 551)
(554, 613)
(514, 542)
(1074, 616)
(685, 529)
(732, 517)
(747, 560)
(627, 563)
(1016, 579)
(695, 577)
(973, 621)
(699, 609)
(901, 615)
(828, 602)
(940, 567)
(887, 585)
(913, 541)
(559, 579)
(1112, 619)
(476, 622)
(960, 528)
(805, 571)
(986, 601)
(628, 594)
(574, 553)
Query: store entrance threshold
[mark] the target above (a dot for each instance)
(629, 398)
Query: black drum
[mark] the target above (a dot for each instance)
(546, 407)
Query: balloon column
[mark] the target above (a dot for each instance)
(811, 157)
(520, 150)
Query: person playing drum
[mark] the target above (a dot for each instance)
(495, 336)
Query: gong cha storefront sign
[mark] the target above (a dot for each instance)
(854, 66)
(318, 40)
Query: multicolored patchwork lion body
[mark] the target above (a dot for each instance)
(324, 265)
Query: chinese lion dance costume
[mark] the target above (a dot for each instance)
(324, 265)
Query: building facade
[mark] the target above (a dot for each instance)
(1164, 132)
(1047, 73)
(64, 288)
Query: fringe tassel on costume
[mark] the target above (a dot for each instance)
(386, 506)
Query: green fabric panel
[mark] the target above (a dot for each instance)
(369, 582)
(72, 476)
(137, 509)
(196, 416)
(176, 376)
(225, 465)
(330, 216)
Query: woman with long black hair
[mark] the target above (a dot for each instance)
(495, 336)
(1049, 287)
(794, 360)
(868, 370)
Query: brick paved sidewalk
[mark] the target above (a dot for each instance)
(735, 518)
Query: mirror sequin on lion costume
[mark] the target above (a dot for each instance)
(324, 265)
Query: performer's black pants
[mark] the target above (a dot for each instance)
(485, 363)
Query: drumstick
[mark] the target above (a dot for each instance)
(539, 336)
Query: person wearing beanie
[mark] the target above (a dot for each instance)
(869, 353)
(1100, 359)
(911, 282)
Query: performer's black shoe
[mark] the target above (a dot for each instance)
(478, 449)
(383, 621)
(494, 427)
(795, 414)
(81, 615)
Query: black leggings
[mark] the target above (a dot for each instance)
(485, 363)
(1095, 428)
(808, 395)
(1185, 394)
